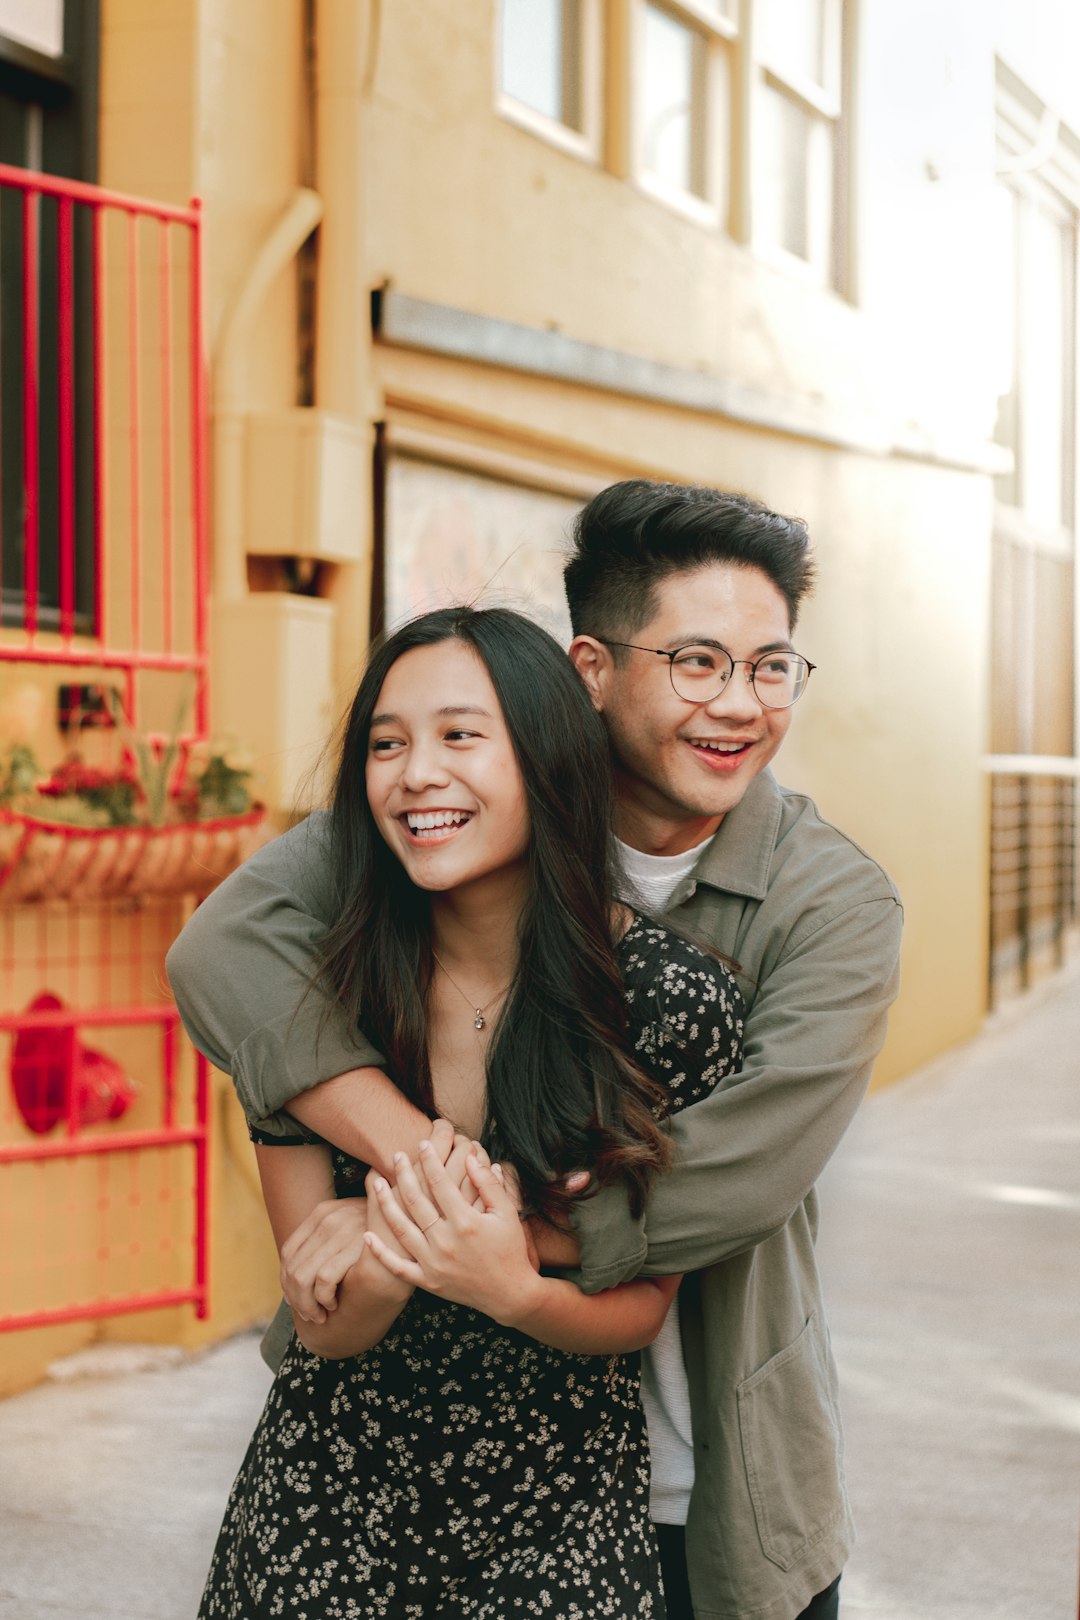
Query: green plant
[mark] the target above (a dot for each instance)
(18, 774)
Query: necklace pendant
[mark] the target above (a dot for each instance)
(479, 1021)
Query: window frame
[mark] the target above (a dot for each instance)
(829, 105)
(711, 208)
(1039, 160)
(586, 142)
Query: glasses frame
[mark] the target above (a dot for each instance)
(751, 664)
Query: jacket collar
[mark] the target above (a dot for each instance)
(739, 857)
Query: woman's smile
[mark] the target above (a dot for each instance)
(443, 781)
(426, 827)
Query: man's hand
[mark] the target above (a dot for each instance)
(315, 1258)
(319, 1253)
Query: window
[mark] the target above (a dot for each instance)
(682, 72)
(798, 95)
(731, 111)
(547, 67)
(36, 23)
(1035, 813)
(1034, 532)
(737, 119)
(1035, 410)
(48, 121)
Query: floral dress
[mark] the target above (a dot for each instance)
(459, 1468)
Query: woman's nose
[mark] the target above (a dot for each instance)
(424, 767)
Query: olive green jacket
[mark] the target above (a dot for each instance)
(814, 925)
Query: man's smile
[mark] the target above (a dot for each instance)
(721, 753)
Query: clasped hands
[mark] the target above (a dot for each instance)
(451, 1224)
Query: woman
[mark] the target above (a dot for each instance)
(475, 1446)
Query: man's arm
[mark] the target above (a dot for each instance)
(241, 971)
(747, 1156)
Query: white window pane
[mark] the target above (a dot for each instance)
(673, 113)
(39, 23)
(1046, 277)
(541, 57)
(793, 191)
(796, 40)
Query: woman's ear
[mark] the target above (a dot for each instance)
(592, 660)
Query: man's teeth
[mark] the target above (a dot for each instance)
(425, 821)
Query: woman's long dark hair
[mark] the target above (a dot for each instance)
(563, 1091)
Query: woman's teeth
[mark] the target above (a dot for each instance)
(431, 820)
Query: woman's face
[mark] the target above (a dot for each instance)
(443, 781)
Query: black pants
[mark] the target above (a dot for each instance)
(672, 1539)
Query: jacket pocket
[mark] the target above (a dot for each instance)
(792, 1447)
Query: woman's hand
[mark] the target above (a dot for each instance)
(475, 1254)
(330, 1239)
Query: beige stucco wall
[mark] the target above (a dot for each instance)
(426, 187)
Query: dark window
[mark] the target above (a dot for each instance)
(49, 123)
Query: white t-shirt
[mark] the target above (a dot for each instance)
(665, 1392)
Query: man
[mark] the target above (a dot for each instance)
(683, 603)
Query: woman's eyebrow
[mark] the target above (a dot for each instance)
(444, 713)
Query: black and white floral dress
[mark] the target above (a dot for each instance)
(459, 1468)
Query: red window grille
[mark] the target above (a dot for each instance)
(103, 579)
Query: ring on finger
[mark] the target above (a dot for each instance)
(430, 1224)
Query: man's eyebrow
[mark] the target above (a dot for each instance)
(711, 641)
(450, 710)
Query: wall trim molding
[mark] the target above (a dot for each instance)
(416, 323)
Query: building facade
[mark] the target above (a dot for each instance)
(467, 261)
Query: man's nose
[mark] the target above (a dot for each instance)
(737, 700)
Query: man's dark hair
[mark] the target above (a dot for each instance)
(635, 534)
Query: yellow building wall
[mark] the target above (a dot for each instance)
(426, 187)
(466, 209)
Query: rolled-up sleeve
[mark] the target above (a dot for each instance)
(241, 971)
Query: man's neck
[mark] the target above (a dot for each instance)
(659, 835)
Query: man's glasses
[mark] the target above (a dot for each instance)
(700, 672)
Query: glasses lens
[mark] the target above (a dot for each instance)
(700, 673)
(780, 679)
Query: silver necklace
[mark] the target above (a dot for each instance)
(479, 1021)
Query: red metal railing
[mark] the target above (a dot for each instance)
(106, 571)
(143, 410)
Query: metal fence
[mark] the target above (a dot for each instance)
(103, 579)
(1034, 834)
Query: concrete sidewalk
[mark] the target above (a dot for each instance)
(951, 1251)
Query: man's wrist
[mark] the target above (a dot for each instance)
(369, 1276)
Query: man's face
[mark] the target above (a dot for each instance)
(681, 766)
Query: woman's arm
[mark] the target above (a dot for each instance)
(369, 1298)
(478, 1255)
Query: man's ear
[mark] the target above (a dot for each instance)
(592, 660)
